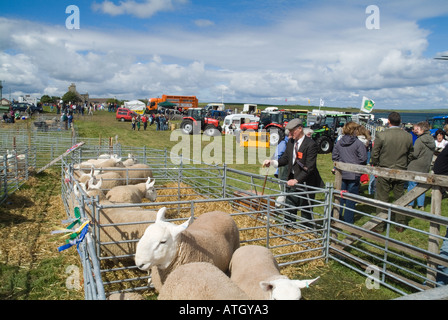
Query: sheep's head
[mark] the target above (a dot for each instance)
(158, 245)
(285, 289)
(151, 193)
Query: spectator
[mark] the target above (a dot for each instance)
(441, 167)
(282, 172)
(145, 121)
(421, 157)
(133, 121)
(157, 120)
(440, 140)
(70, 119)
(349, 149)
(391, 149)
(138, 123)
(300, 158)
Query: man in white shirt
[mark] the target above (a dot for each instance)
(300, 158)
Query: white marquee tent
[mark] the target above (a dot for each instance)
(135, 105)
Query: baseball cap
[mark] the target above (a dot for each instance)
(294, 123)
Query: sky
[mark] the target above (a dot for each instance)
(275, 52)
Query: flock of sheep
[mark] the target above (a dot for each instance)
(200, 259)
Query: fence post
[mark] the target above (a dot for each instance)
(434, 228)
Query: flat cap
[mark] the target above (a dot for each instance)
(294, 123)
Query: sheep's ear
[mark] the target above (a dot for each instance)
(149, 183)
(304, 283)
(179, 228)
(161, 214)
(97, 185)
(266, 286)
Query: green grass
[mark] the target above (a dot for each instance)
(37, 271)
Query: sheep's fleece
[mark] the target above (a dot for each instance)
(212, 237)
(200, 281)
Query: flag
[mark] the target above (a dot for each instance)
(367, 105)
(322, 102)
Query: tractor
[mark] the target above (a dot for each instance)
(196, 121)
(326, 127)
(272, 122)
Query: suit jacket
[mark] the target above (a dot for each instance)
(307, 172)
(392, 149)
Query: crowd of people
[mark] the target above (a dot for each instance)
(393, 148)
(161, 121)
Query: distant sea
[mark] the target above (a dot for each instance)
(410, 117)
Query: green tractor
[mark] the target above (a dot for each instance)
(326, 128)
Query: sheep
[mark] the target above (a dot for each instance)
(133, 193)
(94, 190)
(212, 237)
(125, 226)
(254, 269)
(111, 179)
(130, 161)
(136, 173)
(100, 163)
(200, 281)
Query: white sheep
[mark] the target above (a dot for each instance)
(125, 226)
(136, 173)
(100, 163)
(200, 281)
(130, 161)
(133, 193)
(111, 179)
(212, 237)
(254, 269)
(94, 189)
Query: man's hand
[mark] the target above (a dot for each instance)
(292, 182)
(266, 163)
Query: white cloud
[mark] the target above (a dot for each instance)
(307, 54)
(203, 23)
(144, 9)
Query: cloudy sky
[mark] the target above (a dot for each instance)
(257, 51)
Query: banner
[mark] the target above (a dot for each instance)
(367, 105)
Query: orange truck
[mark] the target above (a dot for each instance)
(180, 103)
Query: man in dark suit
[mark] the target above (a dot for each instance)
(300, 157)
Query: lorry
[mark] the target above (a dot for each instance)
(180, 103)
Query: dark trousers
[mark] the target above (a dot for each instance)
(383, 188)
(298, 201)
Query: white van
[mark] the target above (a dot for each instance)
(232, 122)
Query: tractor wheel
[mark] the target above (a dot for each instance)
(275, 136)
(324, 144)
(187, 127)
(212, 131)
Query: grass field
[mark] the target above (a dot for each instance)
(31, 268)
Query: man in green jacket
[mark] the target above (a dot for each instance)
(391, 149)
